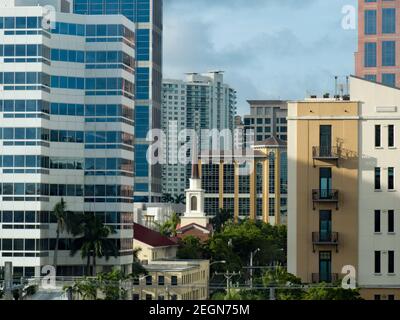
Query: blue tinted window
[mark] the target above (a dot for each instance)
(370, 54)
(388, 53)
(389, 79)
(388, 20)
(370, 21)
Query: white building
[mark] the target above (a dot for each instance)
(67, 105)
(378, 269)
(202, 101)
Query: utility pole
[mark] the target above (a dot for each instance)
(228, 276)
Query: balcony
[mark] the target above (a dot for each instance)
(325, 196)
(325, 238)
(324, 277)
(323, 153)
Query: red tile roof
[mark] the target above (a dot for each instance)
(151, 237)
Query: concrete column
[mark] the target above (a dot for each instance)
(236, 198)
(265, 190)
(277, 187)
(253, 191)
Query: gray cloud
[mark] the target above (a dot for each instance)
(271, 57)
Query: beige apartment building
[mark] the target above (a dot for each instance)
(323, 188)
(343, 200)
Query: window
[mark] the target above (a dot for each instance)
(390, 296)
(389, 79)
(388, 20)
(391, 178)
(391, 136)
(377, 178)
(377, 224)
(193, 203)
(161, 280)
(390, 261)
(377, 268)
(390, 220)
(388, 53)
(370, 22)
(370, 77)
(377, 297)
(149, 281)
(149, 297)
(174, 280)
(370, 54)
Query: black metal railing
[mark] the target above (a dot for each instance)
(324, 277)
(323, 152)
(325, 237)
(325, 195)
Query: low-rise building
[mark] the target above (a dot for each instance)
(174, 280)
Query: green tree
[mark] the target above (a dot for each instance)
(167, 198)
(65, 222)
(110, 285)
(279, 277)
(85, 288)
(179, 199)
(326, 292)
(94, 241)
(191, 247)
(137, 268)
(222, 217)
(168, 228)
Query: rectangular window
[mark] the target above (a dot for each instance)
(370, 22)
(388, 53)
(174, 280)
(377, 178)
(161, 280)
(377, 268)
(390, 220)
(391, 136)
(377, 223)
(370, 77)
(370, 54)
(378, 136)
(390, 261)
(391, 178)
(388, 20)
(389, 79)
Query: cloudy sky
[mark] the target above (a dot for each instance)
(269, 49)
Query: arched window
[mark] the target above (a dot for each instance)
(193, 203)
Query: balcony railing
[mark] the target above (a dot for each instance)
(326, 153)
(324, 277)
(326, 195)
(325, 238)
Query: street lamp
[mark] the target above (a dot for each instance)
(208, 282)
(252, 254)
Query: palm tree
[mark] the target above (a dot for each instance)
(94, 242)
(167, 198)
(65, 222)
(219, 221)
(168, 228)
(179, 199)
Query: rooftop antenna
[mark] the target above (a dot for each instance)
(347, 86)
(336, 87)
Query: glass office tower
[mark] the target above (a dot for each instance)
(66, 132)
(147, 15)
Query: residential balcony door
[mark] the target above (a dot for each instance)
(325, 266)
(325, 140)
(325, 183)
(325, 225)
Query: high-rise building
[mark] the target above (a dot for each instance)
(66, 125)
(202, 101)
(343, 204)
(250, 184)
(378, 41)
(147, 16)
(267, 118)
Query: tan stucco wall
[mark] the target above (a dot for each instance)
(344, 178)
